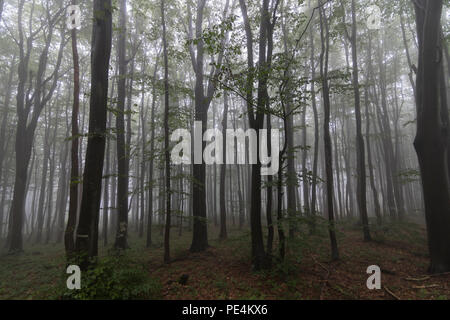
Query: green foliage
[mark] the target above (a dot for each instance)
(115, 277)
(398, 231)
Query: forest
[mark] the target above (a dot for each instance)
(225, 149)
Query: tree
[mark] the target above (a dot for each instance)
(122, 162)
(5, 139)
(431, 141)
(369, 151)
(360, 151)
(166, 137)
(86, 241)
(202, 103)
(223, 212)
(316, 133)
(324, 36)
(152, 149)
(28, 112)
(69, 242)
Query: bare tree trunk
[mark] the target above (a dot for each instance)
(63, 184)
(69, 241)
(431, 140)
(200, 235)
(316, 134)
(143, 119)
(223, 212)
(360, 152)
(166, 138)
(86, 242)
(122, 161)
(369, 151)
(326, 126)
(51, 176)
(270, 229)
(151, 162)
(106, 186)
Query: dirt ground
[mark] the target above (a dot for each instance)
(224, 270)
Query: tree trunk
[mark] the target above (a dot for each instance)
(223, 213)
(122, 161)
(151, 162)
(360, 153)
(327, 139)
(86, 243)
(316, 135)
(369, 151)
(431, 140)
(166, 138)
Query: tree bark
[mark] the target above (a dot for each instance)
(223, 212)
(431, 141)
(360, 150)
(326, 126)
(166, 138)
(85, 244)
(122, 161)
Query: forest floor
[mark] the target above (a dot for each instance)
(224, 270)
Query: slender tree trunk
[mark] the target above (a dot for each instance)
(63, 188)
(42, 193)
(166, 138)
(69, 241)
(316, 134)
(151, 162)
(223, 213)
(327, 139)
(369, 151)
(270, 229)
(360, 152)
(106, 187)
(122, 161)
(143, 119)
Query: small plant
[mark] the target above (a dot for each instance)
(115, 277)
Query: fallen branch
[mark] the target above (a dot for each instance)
(439, 274)
(418, 279)
(427, 277)
(391, 293)
(426, 286)
(320, 264)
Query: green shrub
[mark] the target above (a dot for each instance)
(115, 277)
